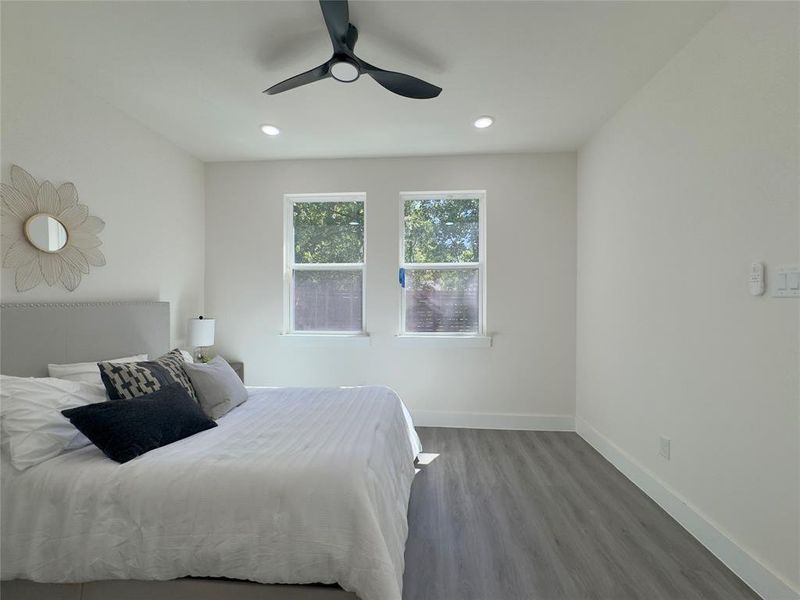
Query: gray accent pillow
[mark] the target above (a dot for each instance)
(218, 387)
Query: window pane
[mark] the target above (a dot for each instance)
(441, 301)
(328, 232)
(327, 300)
(441, 231)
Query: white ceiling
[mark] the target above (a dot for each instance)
(550, 72)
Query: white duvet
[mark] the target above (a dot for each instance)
(297, 485)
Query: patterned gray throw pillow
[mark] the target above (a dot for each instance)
(131, 380)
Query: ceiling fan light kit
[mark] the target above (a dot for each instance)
(344, 71)
(346, 67)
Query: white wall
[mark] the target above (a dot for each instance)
(149, 193)
(530, 274)
(695, 178)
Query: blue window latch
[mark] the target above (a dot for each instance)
(401, 276)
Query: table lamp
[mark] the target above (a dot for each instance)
(201, 336)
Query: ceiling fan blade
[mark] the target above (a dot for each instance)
(402, 84)
(337, 19)
(321, 72)
(352, 37)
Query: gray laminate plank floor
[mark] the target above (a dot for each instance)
(523, 515)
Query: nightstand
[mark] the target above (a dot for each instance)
(238, 367)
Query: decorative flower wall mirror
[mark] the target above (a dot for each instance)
(47, 234)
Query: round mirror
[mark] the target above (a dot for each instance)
(46, 232)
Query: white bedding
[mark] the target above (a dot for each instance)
(296, 485)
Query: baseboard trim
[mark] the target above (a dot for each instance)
(762, 580)
(474, 420)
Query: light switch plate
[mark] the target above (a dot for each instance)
(664, 444)
(786, 282)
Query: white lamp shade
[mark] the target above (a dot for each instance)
(201, 332)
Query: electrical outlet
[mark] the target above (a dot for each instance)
(664, 447)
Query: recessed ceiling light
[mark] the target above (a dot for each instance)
(483, 122)
(270, 129)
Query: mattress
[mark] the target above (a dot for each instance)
(296, 485)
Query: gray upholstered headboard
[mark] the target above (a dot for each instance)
(33, 335)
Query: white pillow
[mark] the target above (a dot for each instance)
(31, 419)
(88, 372)
(187, 357)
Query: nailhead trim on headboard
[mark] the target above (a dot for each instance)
(76, 304)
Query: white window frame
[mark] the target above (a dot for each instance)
(289, 200)
(480, 264)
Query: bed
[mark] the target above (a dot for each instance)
(295, 486)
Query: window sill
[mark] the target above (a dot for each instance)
(444, 341)
(326, 340)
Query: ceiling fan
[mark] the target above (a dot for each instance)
(346, 67)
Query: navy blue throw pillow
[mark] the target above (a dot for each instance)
(125, 429)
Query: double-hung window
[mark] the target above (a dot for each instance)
(324, 273)
(442, 263)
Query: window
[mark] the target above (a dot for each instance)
(324, 263)
(442, 258)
